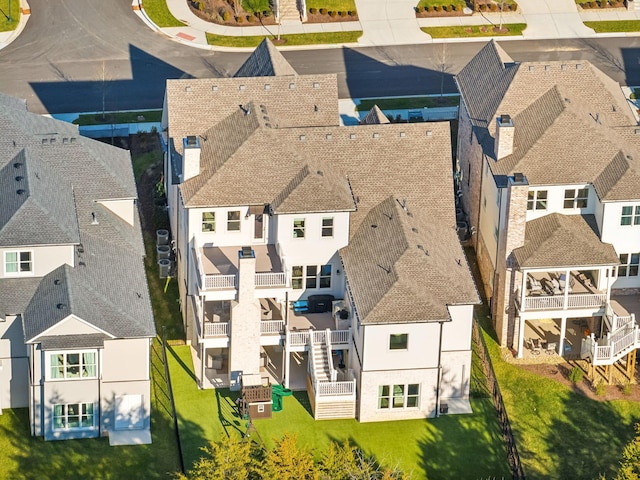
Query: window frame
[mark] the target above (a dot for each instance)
(401, 344)
(629, 265)
(297, 278)
(327, 230)
(633, 217)
(576, 199)
(18, 262)
(234, 221)
(66, 366)
(299, 228)
(535, 203)
(324, 276)
(311, 279)
(399, 396)
(210, 222)
(82, 413)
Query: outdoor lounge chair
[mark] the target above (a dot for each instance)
(550, 348)
(534, 345)
(534, 284)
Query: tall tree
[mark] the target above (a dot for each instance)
(228, 459)
(630, 463)
(288, 462)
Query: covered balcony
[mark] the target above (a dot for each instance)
(217, 267)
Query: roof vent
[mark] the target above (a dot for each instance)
(563, 67)
(82, 264)
(94, 219)
(531, 68)
(637, 131)
(402, 134)
(65, 140)
(547, 68)
(187, 89)
(352, 136)
(61, 306)
(44, 141)
(19, 178)
(21, 191)
(57, 281)
(52, 141)
(315, 108)
(292, 86)
(376, 135)
(316, 84)
(319, 172)
(302, 138)
(214, 88)
(429, 133)
(578, 66)
(519, 179)
(72, 140)
(328, 136)
(267, 86)
(242, 88)
(373, 225)
(17, 165)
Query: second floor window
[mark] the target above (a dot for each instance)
(327, 227)
(298, 228)
(630, 215)
(576, 198)
(18, 262)
(208, 221)
(398, 341)
(297, 277)
(72, 365)
(233, 221)
(537, 200)
(629, 264)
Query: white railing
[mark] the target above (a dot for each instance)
(216, 329)
(199, 265)
(616, 346)
(219, 281)
(271, 326)
(556, 302)
(297, 339)
(340, 337)
(300, 338)
(615, 322)
(333, 374)
(269, 279)
(331, 389)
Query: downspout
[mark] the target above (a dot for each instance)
(100, 395)
(441, 322)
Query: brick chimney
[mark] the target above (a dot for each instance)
(504, 136)
(191, 157)
(244, 354)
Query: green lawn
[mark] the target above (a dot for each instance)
(450, 447)
(474, 31)
(5, 24)
(560, 433)
(291, 40)
(442, 3)
(403, 103)
(333, 5)
(118, 117)
(27, 457)
(615, 26)
(159, 13)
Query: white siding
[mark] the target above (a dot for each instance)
(125, 209)
(555, 201)
(421, 352)
(44, 258)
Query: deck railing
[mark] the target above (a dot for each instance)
(332, 389)
(219, 281)
(270, 279)
(556, 302)
(271, 326)
(216, 329)
(615, 322)
(615, 346)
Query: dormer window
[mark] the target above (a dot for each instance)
(18, 262)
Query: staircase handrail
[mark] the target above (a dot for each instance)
(311, 363)
(333, 374)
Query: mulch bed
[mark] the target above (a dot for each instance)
(560, 373)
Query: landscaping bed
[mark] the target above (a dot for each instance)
(508, 29)
(323, 11)
(599, 4)
(455, 8)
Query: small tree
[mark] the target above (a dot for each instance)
(630, 463)
(287, 462)
(228, 459)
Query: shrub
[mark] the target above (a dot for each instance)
(483, 7)
(576, 374)
(494, 7)
(437, 8)
(476, 7)
(323, 11)
(601, 389)
(429, 8)
(239, 19)
(332, 14)
(445, 8)
(350, 13)
(225, 16)
(251, 18)
(313, 10)
(626, 389)
(453, 8)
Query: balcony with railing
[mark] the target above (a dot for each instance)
(608, 350)
(552, 291)
(217, 267)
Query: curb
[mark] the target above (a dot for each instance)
(25, 13)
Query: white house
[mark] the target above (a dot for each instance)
(548, 157)
(75, 314)
(325, 257)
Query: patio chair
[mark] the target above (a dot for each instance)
(534, 284)
(550, 348)
(534, 345)
(562, 280)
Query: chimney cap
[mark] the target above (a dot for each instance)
(505, 120)
(191, 141)
(247, 252)
(519, 179)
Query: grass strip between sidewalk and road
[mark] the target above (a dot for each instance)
(159, 14)
(290, 40)
(402, 103)
(464, 31)
(612, 26)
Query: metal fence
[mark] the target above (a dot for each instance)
(171, 400)
(494, 390)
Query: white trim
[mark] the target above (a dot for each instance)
(47, 364)
(43, 334)
(29, 273)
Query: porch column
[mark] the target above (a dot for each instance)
(521, 336)
(609, 276)
(203, 361)
(287, 359)
(563, 331)
(567, 287)
(523, 292)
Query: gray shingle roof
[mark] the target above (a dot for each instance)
(35, 210)
(405, 268)
(66, 342)
(66, 178)
(375, 116)
(265, 61)
(558, 240)
(572, 122)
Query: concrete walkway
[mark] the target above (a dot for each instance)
(553, 19)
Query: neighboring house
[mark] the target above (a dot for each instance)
(549, 173)
(75, 315)
(324, 257)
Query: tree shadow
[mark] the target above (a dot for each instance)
(303, 399)
(183, 365)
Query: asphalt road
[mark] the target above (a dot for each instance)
(74, 53)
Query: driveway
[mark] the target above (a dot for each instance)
(389, 22)
(553, 19)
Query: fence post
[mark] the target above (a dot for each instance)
(173, 403)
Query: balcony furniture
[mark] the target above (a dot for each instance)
(320, 303)
(550, 348)
(300, 307)
(534, 345)
(562, 280)
(534, 284)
